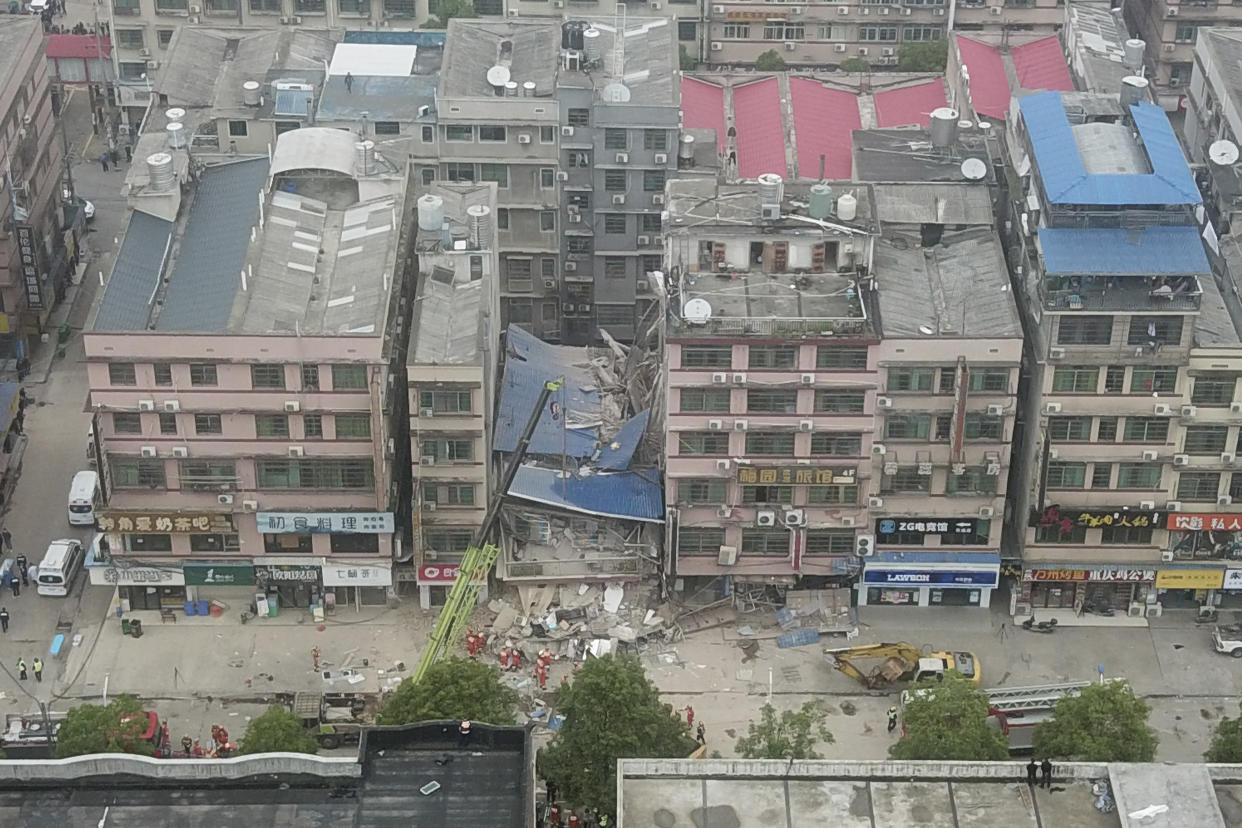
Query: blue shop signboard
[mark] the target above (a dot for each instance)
(931, 577)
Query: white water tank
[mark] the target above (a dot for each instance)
(943, 126)
(1133, 90)
(365, 151)
(771, 188)
(847, 207)
(252, 93)
(479, 216)
(820, 203)
(176, 135)
(430, 213)
(175, 115)
(591, 45)
(1132, 54)
(160, 169)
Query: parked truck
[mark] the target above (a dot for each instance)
(334, 720)
(32, 736)
(902, 662)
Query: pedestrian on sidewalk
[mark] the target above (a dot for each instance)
(4, 620)
(690, 715)
(1045, 768)
(700, 734)
(103, 161)
(15, 581)
(38, 669)
(7, 537)
(1031, 769)
(315, 658)
(23, 566)
(21, 668)
(892, 719)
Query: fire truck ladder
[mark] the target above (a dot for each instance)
(1006, 699)
(471, 578)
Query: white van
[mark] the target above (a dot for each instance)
(59, 566)
(82, 498)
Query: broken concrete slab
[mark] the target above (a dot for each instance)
(505, 618)
(614, 594)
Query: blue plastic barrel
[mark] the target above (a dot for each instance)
(191, 608)
(204, 607)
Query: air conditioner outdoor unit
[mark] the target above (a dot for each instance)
(428, 412)
(883, 402)
(724, 511)
(888, 52)
(1053, 454)
(795, 517)
(1052, 408)
(196, 9)
(795, 10)
(1173, 506)
(549, 284)
(1235, 408)
(890, 468)
(715, 425)
(993, 469)
(153, 64)
(716, 45)
(739, 379)
(1147, 504)
(1227, 457)
(863, 51)
(561, 175)
(996, 10)
(806, 425)
(658, 198)
(426, 460)
(584, 309)
(429, 506)
(765, 517)
(906, 12)
(567, 131)
(718, 10)
(292, 406)
(741, 425)
(172, 406)
(875, 502)
(1169, 47)
(224, 499)
(1166, 554)
(1056, 353)
(727, 556)
(250, 505)
(843, 10)
(1190, 411)
(1172, 12)
(879, 449)
(790, 45)
(297, 451)
(146, 405)
(144, 53)
(864, 546)
(1162, 410)
(1224, 500)
(661, 158)
(149, 451)
(523, 138)
(847, 521)
(807, 379)
(1181, 459)
(986, 511)
(643, 241)
(623, 158)
(940, 12)
(1150, 455)
(180, 451)
(719, 378)
(925, 469)
(838, 47)
(722, 465)
(618, 199)
(996, 410)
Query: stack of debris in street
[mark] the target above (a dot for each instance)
(807, 615)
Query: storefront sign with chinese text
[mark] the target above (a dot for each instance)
(287, 574)
(1233, 579)
(793, 476)
(1067, 519)
(1190, 578)
(29, 251)
(930, 577)
(218, 574)
(326, 523)
(1194, 522)
(349, 574)
(135, 576)
(757, 15)
(1102, 573)
(163, 522)
(432, 574)
(890, 530)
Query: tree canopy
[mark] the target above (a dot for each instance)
(447, 10)
(770, 61)
(948, 720)
(611, 711)
(1226, 742)
(1104, 723)
(789, 734)
(113, 728)
(924, 56)
(453, 688)
(277, 731)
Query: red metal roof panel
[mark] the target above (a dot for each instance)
(760, 129)
(989, 87)
(702, 107)
(1041, 65)
(823, 122)
(909, 105)
(85, 47)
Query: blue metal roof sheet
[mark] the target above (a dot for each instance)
(207, 273)
(935, 557)
(1065, 179)
(1118, 251)
(126, 303)
(528, 365)
(632, 495)
(626, 442)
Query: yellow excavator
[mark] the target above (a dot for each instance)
(902, 662)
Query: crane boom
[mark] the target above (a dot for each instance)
(477, 563)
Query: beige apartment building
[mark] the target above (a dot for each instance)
(1171, 29)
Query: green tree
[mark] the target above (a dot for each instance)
(277, 731)
(1104, 723)
(1226, 744)
(790, 734)
(685, 59)
(454, 688)
(948, 720)
(447, 10)
(113, 728)
(855, 64)
(924, 56)
(770, 61)
(611, 711)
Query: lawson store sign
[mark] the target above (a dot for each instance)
(903, 577)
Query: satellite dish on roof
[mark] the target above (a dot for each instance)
(697, 311)
(973, 169)
(497, 75)
(617, 93)
(1223, 153)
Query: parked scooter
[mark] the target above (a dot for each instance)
(1102, 609)
(1207, 615)
(1031, 625)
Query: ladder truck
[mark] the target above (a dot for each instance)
(1015, 711)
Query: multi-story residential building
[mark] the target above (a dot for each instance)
(985, 73)
(1170, 28)
(771, 375)
(577, 125)
(1214, 114)
(1133, 365)
(452, 377)
(246, 367)
(35, 262)
(1097, 48)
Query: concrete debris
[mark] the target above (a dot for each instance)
(505, 617)
(614, 594)
(623, 633)
(600, 647)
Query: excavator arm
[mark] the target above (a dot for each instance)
(899, 660)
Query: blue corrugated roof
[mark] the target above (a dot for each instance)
(396, 38)
(1065, 179)
(626, 442)
(126, 300)
(633, 495)
(528, 365)
(936, 557)
(1117, 251)
(207, 273)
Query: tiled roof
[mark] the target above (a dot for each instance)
(702, 107)
(1119, 251)
(989, 87)
(85, 47)
(1040, 64)
(126, 303)
(823, 121)
(761, 144)
(910, 105)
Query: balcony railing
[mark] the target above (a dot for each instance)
(1121, 294)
